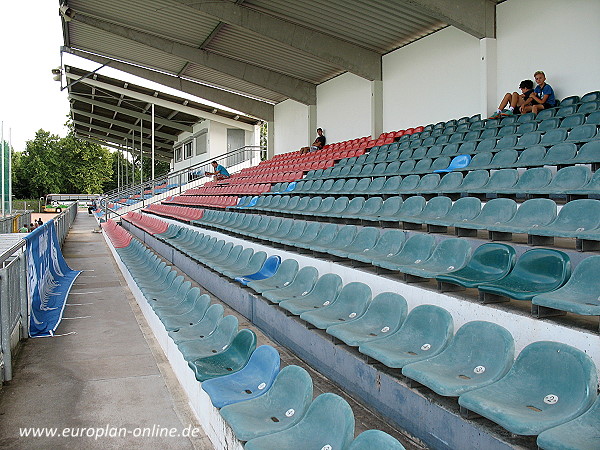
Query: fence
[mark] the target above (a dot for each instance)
(14, 302)
(11, 224)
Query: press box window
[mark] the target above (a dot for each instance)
(177, 154)
(187, 150)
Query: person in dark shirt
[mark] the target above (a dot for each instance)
(317, 145)
(543, 97)
(515, 102)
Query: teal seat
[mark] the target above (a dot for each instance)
(474, 180)
(567, 178)
(506, 142)
(408, 184)
(324, 292)
(412, 206)
(327, 424)
(235, 265)
(572, 121)
(439, 163)
(283, 229)
(389, 243)
(526, 127)
(392, 185)
(285, 273)
(537, 271)
(450, 183)
(371, 208)
(231, 359)
(583, 133)
(279, 408)
(406, 168)
(552, 137)
(463, 210)
(325, 237)
(532, 156)
(310, 233)
(360, 187)
(531, 214)
(383, 317)
(479, 354)
(365, 239)
(289, 229)
(405, 155)
(339, 205)
(581, 433)
(302, 204)
(489, 262)
(428, 183)
(579, 294)
(574, 219)
(212, 317)
(455, 149)
(434, 209)
(188, 312)
(531, 179)
(375, 186)
(549, 384)
(354, 207)
(548, 124)
(416, 248)
(389, 209)
(315, 206)
(546, 113)
(210, 344)
(252, 266)
(302, 284)
(425, 333)
(588, 153)
(589, 107)
(350, 304)
(494, 212)
(375, 439)
(481, 160)
(500, 179)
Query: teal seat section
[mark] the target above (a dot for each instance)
(389, 243)
(581, 433)
(231, 359)
(579, 294)
(479, 354)
(425, 333)
(182, 305)
(448, 255)
(531, 214)
(388, 211)
(254, 380)
(325, 237)
(383, 317)
(501, 179)
(237, 265)
(435, 208)
(279, 408)
(412, 206)
(549, 384)
(343, 238)
(303, 282)
(194, 315)
(481, 160)
(416, 248)
(531, 179)
(211, 344)
(450, 183)
(286, 273)
(574, 218)
(364, 240)
(428, 183)
(392, 184)
(532, 156)
(537, 271)
(489, 262)
(325, 291)
(206, 326)
(350, 304)
(253, 265)
(375, 439)
(567, 178)
(494, 212)
(474, 180)
(504, 159)
(327, 424)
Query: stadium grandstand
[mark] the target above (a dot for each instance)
(427, 279)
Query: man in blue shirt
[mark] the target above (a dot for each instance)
(220, 172)
(543, 95)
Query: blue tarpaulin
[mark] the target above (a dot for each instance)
(49, 280)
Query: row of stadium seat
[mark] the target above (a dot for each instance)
(174, 212)
(213, 201)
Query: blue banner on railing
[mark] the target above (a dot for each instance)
(49, 280)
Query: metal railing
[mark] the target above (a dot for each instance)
(181, 180)
(14, 300)
(11, 224)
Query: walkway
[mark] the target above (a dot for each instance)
(104, 374)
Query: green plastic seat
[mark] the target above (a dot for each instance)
(360, 187)
(479, 354)
(375, 186)
(583, 133)
(548, 124)
(428, 183)
(278, 409)
(301, 285)
(383, 317)
(501, 179)
(325, 236)
(406, 168)
(480, 161)
(425, 333)
(552, 137)
(211, 344)
(310, 233)
(411, 207)
(236, 264)
(353, 208)
(574, 219)
(494, 212)
(489, 262)
(537, 271)
(572, 121)
(212, 317)
(581, 433)
(434, 209)
(188, 312)
(371, 208)
(439, 163)
(324, 292)
(408, 184)
(316, 206)
(588, 153)
(474, 180)
(463, 210)
(450, 183)
(549, 384)
(288, 230)
(392, 185)
(327, 424)
(533, 213)
(389, 209)
(286, 272)
(350, 304)
(455, 149)
(339, 205)
(532, 157)
(375, 439)
(389, 243)
(339, 185)
(416, 248)
(283, 229)
(253, 265)
(423, 165)
(419, 152)
(531, 179)
(567, 178)
(365, 239)
(231, 359)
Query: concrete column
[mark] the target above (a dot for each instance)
(311, 111)
(376, 108)
(270, 139)
(489, 76)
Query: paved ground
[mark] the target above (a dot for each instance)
(102, 374)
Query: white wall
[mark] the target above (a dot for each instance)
(344, 107)
(434, 79)
(291, 126)
(559, 37)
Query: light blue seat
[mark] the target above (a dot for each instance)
(349, 305)
(383, 317)
(425, 333)
(212, 317)
(375, 439)
(267, 270)
(279, 408)
(416, 248)
(581, 433)
(324, 292)
(489, 262)
(549, 384)
(220, 338)
(285, 273)
(480, 353)
(574, 218)
(327, 424)
(389, 243)
(303, 282)
(533, 213)
(254, 380)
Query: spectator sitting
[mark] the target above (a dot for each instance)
(23, 229)
(543, 97)
(317, 145)
(40, 222)
(515, 101)
(220, 172)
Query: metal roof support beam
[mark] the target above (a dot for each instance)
(240, 103)
(353, 58)
(295, 88)
(105, 140)
(128, 112)
(476, 17)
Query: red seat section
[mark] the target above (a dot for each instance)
(175, 212)
(151, 225)
(118, 236)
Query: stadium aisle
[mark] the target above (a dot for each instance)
(102, 382)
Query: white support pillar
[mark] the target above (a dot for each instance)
(489, 76)
(376, 108)
(152, 149)
(270, 139)
(311, 111)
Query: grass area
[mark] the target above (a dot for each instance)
(31, 204)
